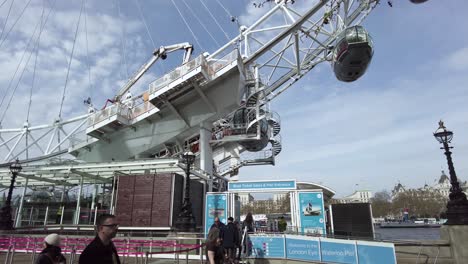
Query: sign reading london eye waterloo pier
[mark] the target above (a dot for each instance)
(243, 186)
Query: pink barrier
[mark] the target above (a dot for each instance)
(124, 247)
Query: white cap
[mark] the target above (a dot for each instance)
(52, 239)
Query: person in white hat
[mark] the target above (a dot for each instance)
(52, 253)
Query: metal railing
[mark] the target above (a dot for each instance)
(119, 109)
(139, 249)
(179, 72)
(217, 65)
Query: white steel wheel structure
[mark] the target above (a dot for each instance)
(264, 60)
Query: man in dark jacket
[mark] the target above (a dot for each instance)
(230, 240)
(219, 225)
(101, 250)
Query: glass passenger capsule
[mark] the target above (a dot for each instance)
(352, 54)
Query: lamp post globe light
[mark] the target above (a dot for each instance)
(6, 221)
(185, 220)
(457, 206)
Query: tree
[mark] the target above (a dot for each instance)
(381, 204)
(420, 203)
(284, 204)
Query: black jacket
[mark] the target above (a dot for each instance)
(230, 236)
(97, 253)
(50, 255)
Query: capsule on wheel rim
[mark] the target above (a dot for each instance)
(352, 54)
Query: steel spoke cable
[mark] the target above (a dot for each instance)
(161, 66)
(225, 9)
(215, 20)
(41, 28)
(6, 19)
(3, 3)
(122, 38)
(19, 64)
(144, 22)
(201, 23)
(35, 64)
(187, 24)
(71, 59)
(14, 24)
(87, 49)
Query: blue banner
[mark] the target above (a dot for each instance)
(302, 248)
(374, 252)
(262, 185)
(316, 249)
(312, 213)
(267, 246)
(216, 205)
(339, 251)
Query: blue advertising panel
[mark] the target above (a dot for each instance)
(262, 185)
(375, 252)
(338, 251)
(312, 213)
(216, 205)
(267, 246)
(302, 248)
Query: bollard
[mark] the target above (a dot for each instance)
(201, 251)
(8, 254)
(12, 255)
(72, 255)
(150, 248)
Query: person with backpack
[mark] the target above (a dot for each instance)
(230, 240)
(52, 253)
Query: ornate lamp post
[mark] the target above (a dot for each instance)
(457, 206)
(185, 221)
(6, 223)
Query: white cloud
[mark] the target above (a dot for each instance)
(458, 60)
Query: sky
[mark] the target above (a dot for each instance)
(369, 134)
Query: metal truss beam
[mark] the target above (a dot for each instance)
(91, 176)
(43, 179)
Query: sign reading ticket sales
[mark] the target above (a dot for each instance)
(261, 185)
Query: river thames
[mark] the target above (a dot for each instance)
(407, 233)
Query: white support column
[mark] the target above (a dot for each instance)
(114, 187)
(93, 202)
(206, 152)
(20, 209)
(78, 200)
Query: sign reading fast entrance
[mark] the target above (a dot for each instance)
(244, 186)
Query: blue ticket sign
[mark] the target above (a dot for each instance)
(267, 246)
(262, 185)
(216, 205)
(375, 252)
(338, 251)
(312, 213)
(302, 248)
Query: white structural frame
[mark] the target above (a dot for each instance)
(283, 45)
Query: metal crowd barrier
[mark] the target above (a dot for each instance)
(140, 250)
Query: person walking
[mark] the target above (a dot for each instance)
(214, 253)
(230, 240)
(247, 227)
(219, 225)
(52, 253)
(102, 250)
(239, 241)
